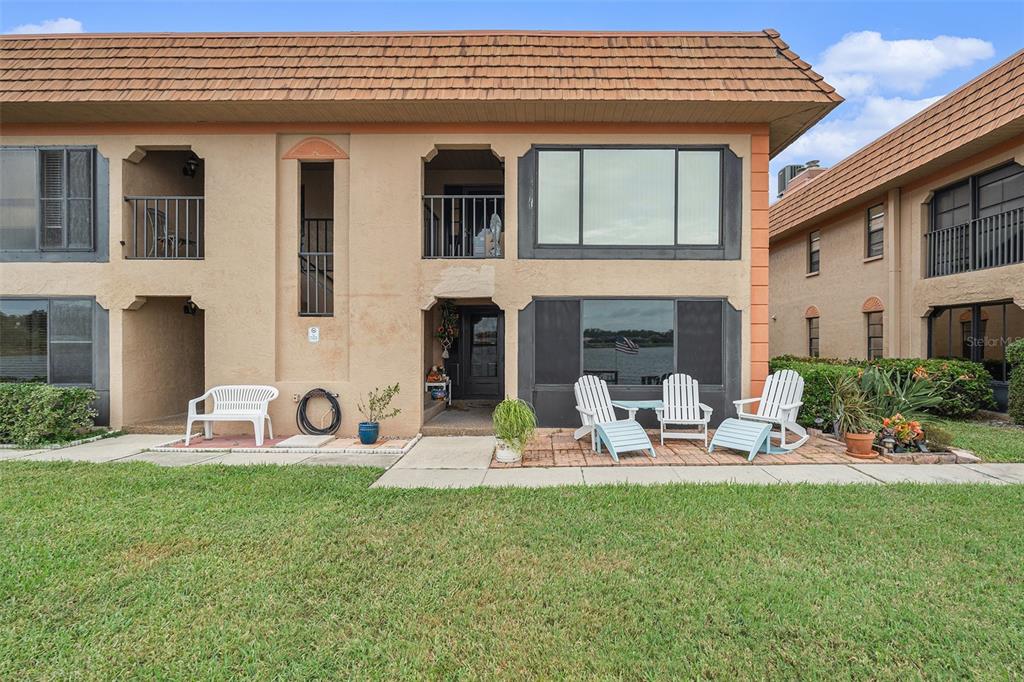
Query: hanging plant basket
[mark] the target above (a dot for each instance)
(448, 330)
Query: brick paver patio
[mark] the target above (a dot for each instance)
(557, 448)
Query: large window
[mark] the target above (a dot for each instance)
(874, 322)
(629, 341)
(643, 197)
(47, 340)
(876, 231)
(47, 199)
(814, 252)
(813, 348)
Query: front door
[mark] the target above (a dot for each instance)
(481, 358)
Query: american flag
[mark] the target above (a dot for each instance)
(627, 346)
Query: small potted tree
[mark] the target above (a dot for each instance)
(854, 416)
(514, 424)
(374, 410)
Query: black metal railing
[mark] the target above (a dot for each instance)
(316, 267)
(463, 226)
(989, 242)
(165, 228)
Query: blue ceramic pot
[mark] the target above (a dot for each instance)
(368, 432)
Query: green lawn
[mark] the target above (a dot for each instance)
(302, 572)
(991, 443)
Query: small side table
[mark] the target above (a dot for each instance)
(446, 385)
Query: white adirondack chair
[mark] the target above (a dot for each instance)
(681, 395)
(595, 406)
(240, 403)
(779, 405)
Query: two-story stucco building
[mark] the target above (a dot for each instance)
(914, 245)
(182, 211)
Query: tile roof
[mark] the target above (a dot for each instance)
(412, 67)
(979, 114)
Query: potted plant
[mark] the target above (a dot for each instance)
(375, 409)
(854, 416)
(514, 424)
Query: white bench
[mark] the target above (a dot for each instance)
(240, 403)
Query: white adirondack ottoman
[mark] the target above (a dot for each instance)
(240, 403)
(779, 404)
(681, 396)
(595, 406)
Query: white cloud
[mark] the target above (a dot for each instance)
(863, 62)
(834, 140)
(61, 25)
(882, 81)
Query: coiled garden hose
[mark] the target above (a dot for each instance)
(302, 416)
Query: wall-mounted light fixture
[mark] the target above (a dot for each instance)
(191, 166)
(190, 308)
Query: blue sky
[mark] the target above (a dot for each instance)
(889, 59)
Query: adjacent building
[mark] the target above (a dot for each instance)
(914, 245)
(305, 210)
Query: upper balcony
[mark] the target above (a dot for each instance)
(989, 242)
(463, 204)
(164, 217)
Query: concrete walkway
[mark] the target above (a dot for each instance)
(464, 462)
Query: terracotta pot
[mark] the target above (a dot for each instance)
(859, 445)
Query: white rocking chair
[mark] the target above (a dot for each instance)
(779, 405)
(681, 396)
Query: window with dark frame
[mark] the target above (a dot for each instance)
(646, 197)
(813, 349)
(47, 199)
(874, 321)
(876, 231)
(47, 340)
(316, 239)
(814, 252)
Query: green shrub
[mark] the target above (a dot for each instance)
(963, 385)
(33, 414)
(1015, 357)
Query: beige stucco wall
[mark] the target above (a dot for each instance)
(847, 279)
(162, 351)
(247, 283)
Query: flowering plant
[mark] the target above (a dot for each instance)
(904, 431)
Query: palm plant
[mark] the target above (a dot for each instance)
(890, 393)
(853, 410)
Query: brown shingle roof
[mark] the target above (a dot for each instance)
(985, 111)
(464, 67)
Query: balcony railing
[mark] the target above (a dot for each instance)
(165, 228)
(316, 267)
(463, 226)
(989, 242)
